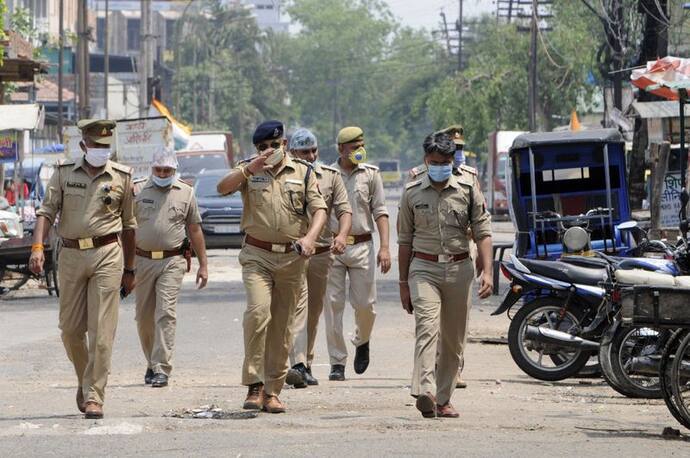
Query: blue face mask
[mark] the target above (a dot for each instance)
(440, 173)
(163, 182)
(459, 158)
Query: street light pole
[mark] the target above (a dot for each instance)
(532, 86)
(106, 59)
(61, 45)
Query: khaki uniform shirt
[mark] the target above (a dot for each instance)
(365, 192)
(80, 200)
(274, 202)
(163, 215)
(335, 195)
(437, 222)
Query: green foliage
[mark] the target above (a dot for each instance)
(3, 11)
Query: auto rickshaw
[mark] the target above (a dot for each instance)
(568, 193)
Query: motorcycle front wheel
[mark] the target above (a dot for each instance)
(546, 361)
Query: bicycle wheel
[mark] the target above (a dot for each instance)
(680, 379)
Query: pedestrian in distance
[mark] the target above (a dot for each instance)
(93, 198)
(436, 270)
(283, 216)
(303, 145)
(365, 193)
(166, 211)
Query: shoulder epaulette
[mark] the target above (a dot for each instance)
(329, 168)
(185, 182)
(370, 166)
(139, 180)
(64, 162)
(416, 171)
(412, 184)
(467, 168)
(122, 168)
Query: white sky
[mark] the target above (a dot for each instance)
(425, 13)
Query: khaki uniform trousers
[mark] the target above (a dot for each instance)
(309, 309)
(359, 263)
(158, 286)
(89, 302)
(273, 282)
(440, 294)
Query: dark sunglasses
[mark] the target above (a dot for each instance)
(265, 146)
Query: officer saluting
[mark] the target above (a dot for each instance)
(93, 196)
(303, 146)
(436, 272)
(165, 208)
(279, 195)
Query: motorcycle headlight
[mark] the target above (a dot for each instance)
(575, 239)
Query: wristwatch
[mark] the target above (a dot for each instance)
(130, 271)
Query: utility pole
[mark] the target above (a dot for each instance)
(445, 32)
(145, 56)
(83, 59)
(61, 45)
(106, 59)
(532, 83)
(460, 25)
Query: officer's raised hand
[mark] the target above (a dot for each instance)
(258, 164)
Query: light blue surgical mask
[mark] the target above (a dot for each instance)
(440, 173)
(163, 182)
(459, 158)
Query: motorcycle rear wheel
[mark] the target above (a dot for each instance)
(544, 311)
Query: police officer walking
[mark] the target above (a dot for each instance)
(279, 195)
(303, 146)
(165, 208)
(436, 271)
(365, 192)
(93, 197)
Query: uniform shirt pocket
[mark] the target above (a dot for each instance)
(423, 216)
(362, 193)
(259, 191)
(456, 216)
(146, 209)
(177, 211)
(74, 199)
(294, 196)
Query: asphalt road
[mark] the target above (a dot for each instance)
(503, 412)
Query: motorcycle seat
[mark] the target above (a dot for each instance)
(566, 272)
(644, 277)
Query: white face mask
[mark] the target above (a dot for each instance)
(275, 157)
(98, 157)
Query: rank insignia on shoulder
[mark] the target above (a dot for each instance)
(328, 167)
(467, 168)
(412, 184)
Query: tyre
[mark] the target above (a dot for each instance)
(680, 379)
(544, 361)
(605, 362)
(628, 346)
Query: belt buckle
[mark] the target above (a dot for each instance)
(85, 244)
(444, 258)
(156, 255)
(278, 247)
(350, 240)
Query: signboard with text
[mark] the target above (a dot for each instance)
(138, 140)
(9, 150)
(670, 201)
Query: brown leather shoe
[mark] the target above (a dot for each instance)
(273, 405)
(426, 403)
(80, 400)
(93, 410)
(447, 411)
(255, 397)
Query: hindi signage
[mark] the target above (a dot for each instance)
(138, 140)
(670, 201)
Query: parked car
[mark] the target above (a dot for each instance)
(220, 215)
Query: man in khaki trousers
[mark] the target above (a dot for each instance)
(93, 198)
(436, 270)
(303, 146)
(279, 195)
(166, 210)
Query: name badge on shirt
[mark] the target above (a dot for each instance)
(76, 185)
(421, 206)
(259, 182)
(148, 201)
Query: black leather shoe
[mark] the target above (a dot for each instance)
(295, 376)
(337, 373)
(310, 379)
(362, 358)
(159, 381)
(148, 378)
